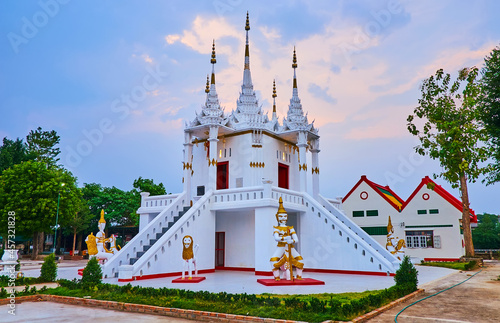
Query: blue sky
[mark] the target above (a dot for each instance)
(118, 79)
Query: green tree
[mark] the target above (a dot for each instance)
(31, 190)
(452, 134)
(490, 82)
(80, 221)
(12, 153)
(487, 233)
(92, 274)
(42, 144)
(48, 272)
(407, 274)
(147, 185)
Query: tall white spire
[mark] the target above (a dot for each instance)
(296, 120)
(211, 112)
(248, 113)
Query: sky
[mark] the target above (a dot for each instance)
(118, 80)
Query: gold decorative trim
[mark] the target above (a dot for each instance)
(213, 162)
(303, 167)
(315, 170)
(257, 164)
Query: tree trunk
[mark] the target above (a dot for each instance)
(37, 244)
(74, 241)
(79, 243)
(469, 246)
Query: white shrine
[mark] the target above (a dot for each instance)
(236, 168)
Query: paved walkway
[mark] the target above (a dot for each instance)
(475, 301)
(56, 312)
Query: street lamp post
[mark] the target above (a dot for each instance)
(57, 217)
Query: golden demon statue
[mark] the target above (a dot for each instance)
(96, 245)
(285, 257)
(189, 257)
(394, 244)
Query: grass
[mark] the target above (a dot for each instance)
(453, 265)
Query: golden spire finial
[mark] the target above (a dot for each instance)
(213, 60)
(101, 220)
(207, 88)
(247, 25)
(389, 226)
(274, 96)
(294, 61)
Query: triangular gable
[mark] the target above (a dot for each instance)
(384, 191)
(444, 194)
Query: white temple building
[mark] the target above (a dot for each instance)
(236, 167)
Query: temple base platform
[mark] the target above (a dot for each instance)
(295, 282)
(186, 280)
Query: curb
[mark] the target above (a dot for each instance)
(182, 313)
(378, 311)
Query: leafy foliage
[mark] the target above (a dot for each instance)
(12, 153)
(491, 108)
(147, 185)
(92, 274)
(31, 189)
(453, 133)
(487, 233)
(407, 275)
(42, 144)
(48, 272)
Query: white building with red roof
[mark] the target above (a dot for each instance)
(429, 220)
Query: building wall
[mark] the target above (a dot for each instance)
(239, 228)
(444, 224)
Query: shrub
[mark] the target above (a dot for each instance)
(49, 269)
(407, 274)
(92, 274)
(470, 265)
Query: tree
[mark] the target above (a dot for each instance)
(487, 233)
(42, 145)
(48, 272)
(12, 153)
(453, 134)
(92, 275)
(79, 221)
(147, 185)
(31, 190)
(491, 109)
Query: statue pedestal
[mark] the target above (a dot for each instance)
(284, 282)
(188, 281)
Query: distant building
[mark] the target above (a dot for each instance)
(429, 220)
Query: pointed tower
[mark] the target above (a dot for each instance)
(248, 114)
(275, 117)
(211, 112)
(295, 120)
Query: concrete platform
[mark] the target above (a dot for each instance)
(246, 282)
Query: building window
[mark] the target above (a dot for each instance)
(434, 211)
(357, 214)
(376, 231)
(420, 239)
(229, 152)
(220, 153)
(225, 150)
(421, 211)
(372, 213)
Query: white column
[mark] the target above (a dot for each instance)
(265, 219)
(188, 165)
(315, 167)
(212, 162)
(302, 145)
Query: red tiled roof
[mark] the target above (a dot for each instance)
(393, 199)
(384, 191)
(444, 194)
